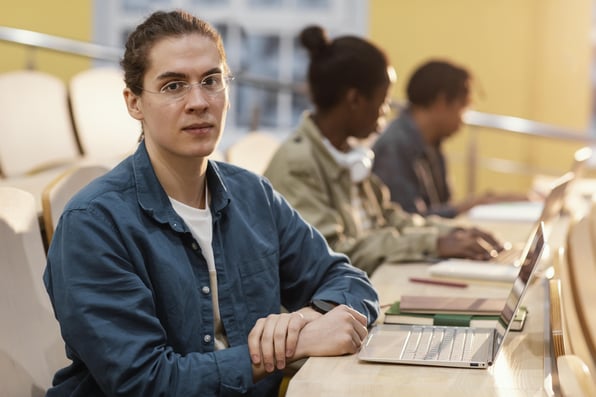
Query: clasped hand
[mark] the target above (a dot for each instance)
(279, 339)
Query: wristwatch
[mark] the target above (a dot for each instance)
(322, 306)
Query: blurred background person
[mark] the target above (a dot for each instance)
(409, 156)
(327, 177)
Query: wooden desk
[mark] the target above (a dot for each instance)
(518, 371)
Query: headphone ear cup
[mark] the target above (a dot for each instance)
(360, 161)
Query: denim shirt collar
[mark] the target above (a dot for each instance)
(154, 200)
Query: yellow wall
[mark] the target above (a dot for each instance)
(65, 18)
(530, 59)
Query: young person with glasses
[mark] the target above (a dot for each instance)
(167, 275)
(325, 173)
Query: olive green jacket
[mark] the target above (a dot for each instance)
(307, 175)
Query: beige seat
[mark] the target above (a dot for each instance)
(253, 151)
(102, 123)
(31, 348)
(35, 183)
(575, 377)
(57, 193)
(573, 315)
(578, 292)
(35, 127)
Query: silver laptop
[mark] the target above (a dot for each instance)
(446, 346)
(505, 266)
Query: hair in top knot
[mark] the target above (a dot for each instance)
(341, 64)
(315, 40)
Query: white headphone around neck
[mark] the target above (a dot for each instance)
(358, 161)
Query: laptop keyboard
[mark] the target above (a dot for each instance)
(510, 256)
(439, 343)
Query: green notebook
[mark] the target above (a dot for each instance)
(394, 316)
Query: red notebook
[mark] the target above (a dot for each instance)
(451, 305)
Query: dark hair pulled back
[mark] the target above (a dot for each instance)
(341, 64)
(156, 27)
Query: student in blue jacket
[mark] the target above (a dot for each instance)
(167, 274)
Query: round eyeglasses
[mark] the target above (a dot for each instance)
(211, 85)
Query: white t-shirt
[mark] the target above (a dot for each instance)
(199, 222)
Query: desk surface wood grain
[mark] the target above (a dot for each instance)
(518, 371)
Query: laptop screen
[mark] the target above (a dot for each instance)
(528, 265)
(555, 200)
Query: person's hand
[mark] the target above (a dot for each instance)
(340, 331)
(274, 338)
(469, 243)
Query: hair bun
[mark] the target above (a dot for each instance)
(315, 40)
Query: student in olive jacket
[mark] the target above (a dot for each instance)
(327, 178)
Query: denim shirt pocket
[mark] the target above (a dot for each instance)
(259, 280)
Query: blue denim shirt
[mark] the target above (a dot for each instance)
(129, 284)
(403, 161)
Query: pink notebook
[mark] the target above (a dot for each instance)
(451, 305)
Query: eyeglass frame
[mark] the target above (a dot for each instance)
(175, 97)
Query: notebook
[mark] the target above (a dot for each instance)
(529, 210)
(449, 346)
(505, 266)
(513, 211)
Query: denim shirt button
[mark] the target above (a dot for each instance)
(195, 246)
(207, 338)
(205, 290)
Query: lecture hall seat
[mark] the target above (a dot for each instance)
(105, 130)
(31, 348)
(61, 189)
(571, 305)
(253, 151)
(35, 128)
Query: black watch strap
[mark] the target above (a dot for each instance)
(322, 306)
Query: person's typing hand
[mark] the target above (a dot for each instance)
(471, 243)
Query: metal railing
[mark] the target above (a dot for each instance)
(35, 40)
(478, 120)
(473, 119)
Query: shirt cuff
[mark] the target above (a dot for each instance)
(241, 377)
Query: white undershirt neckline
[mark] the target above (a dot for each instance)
(199, 221)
